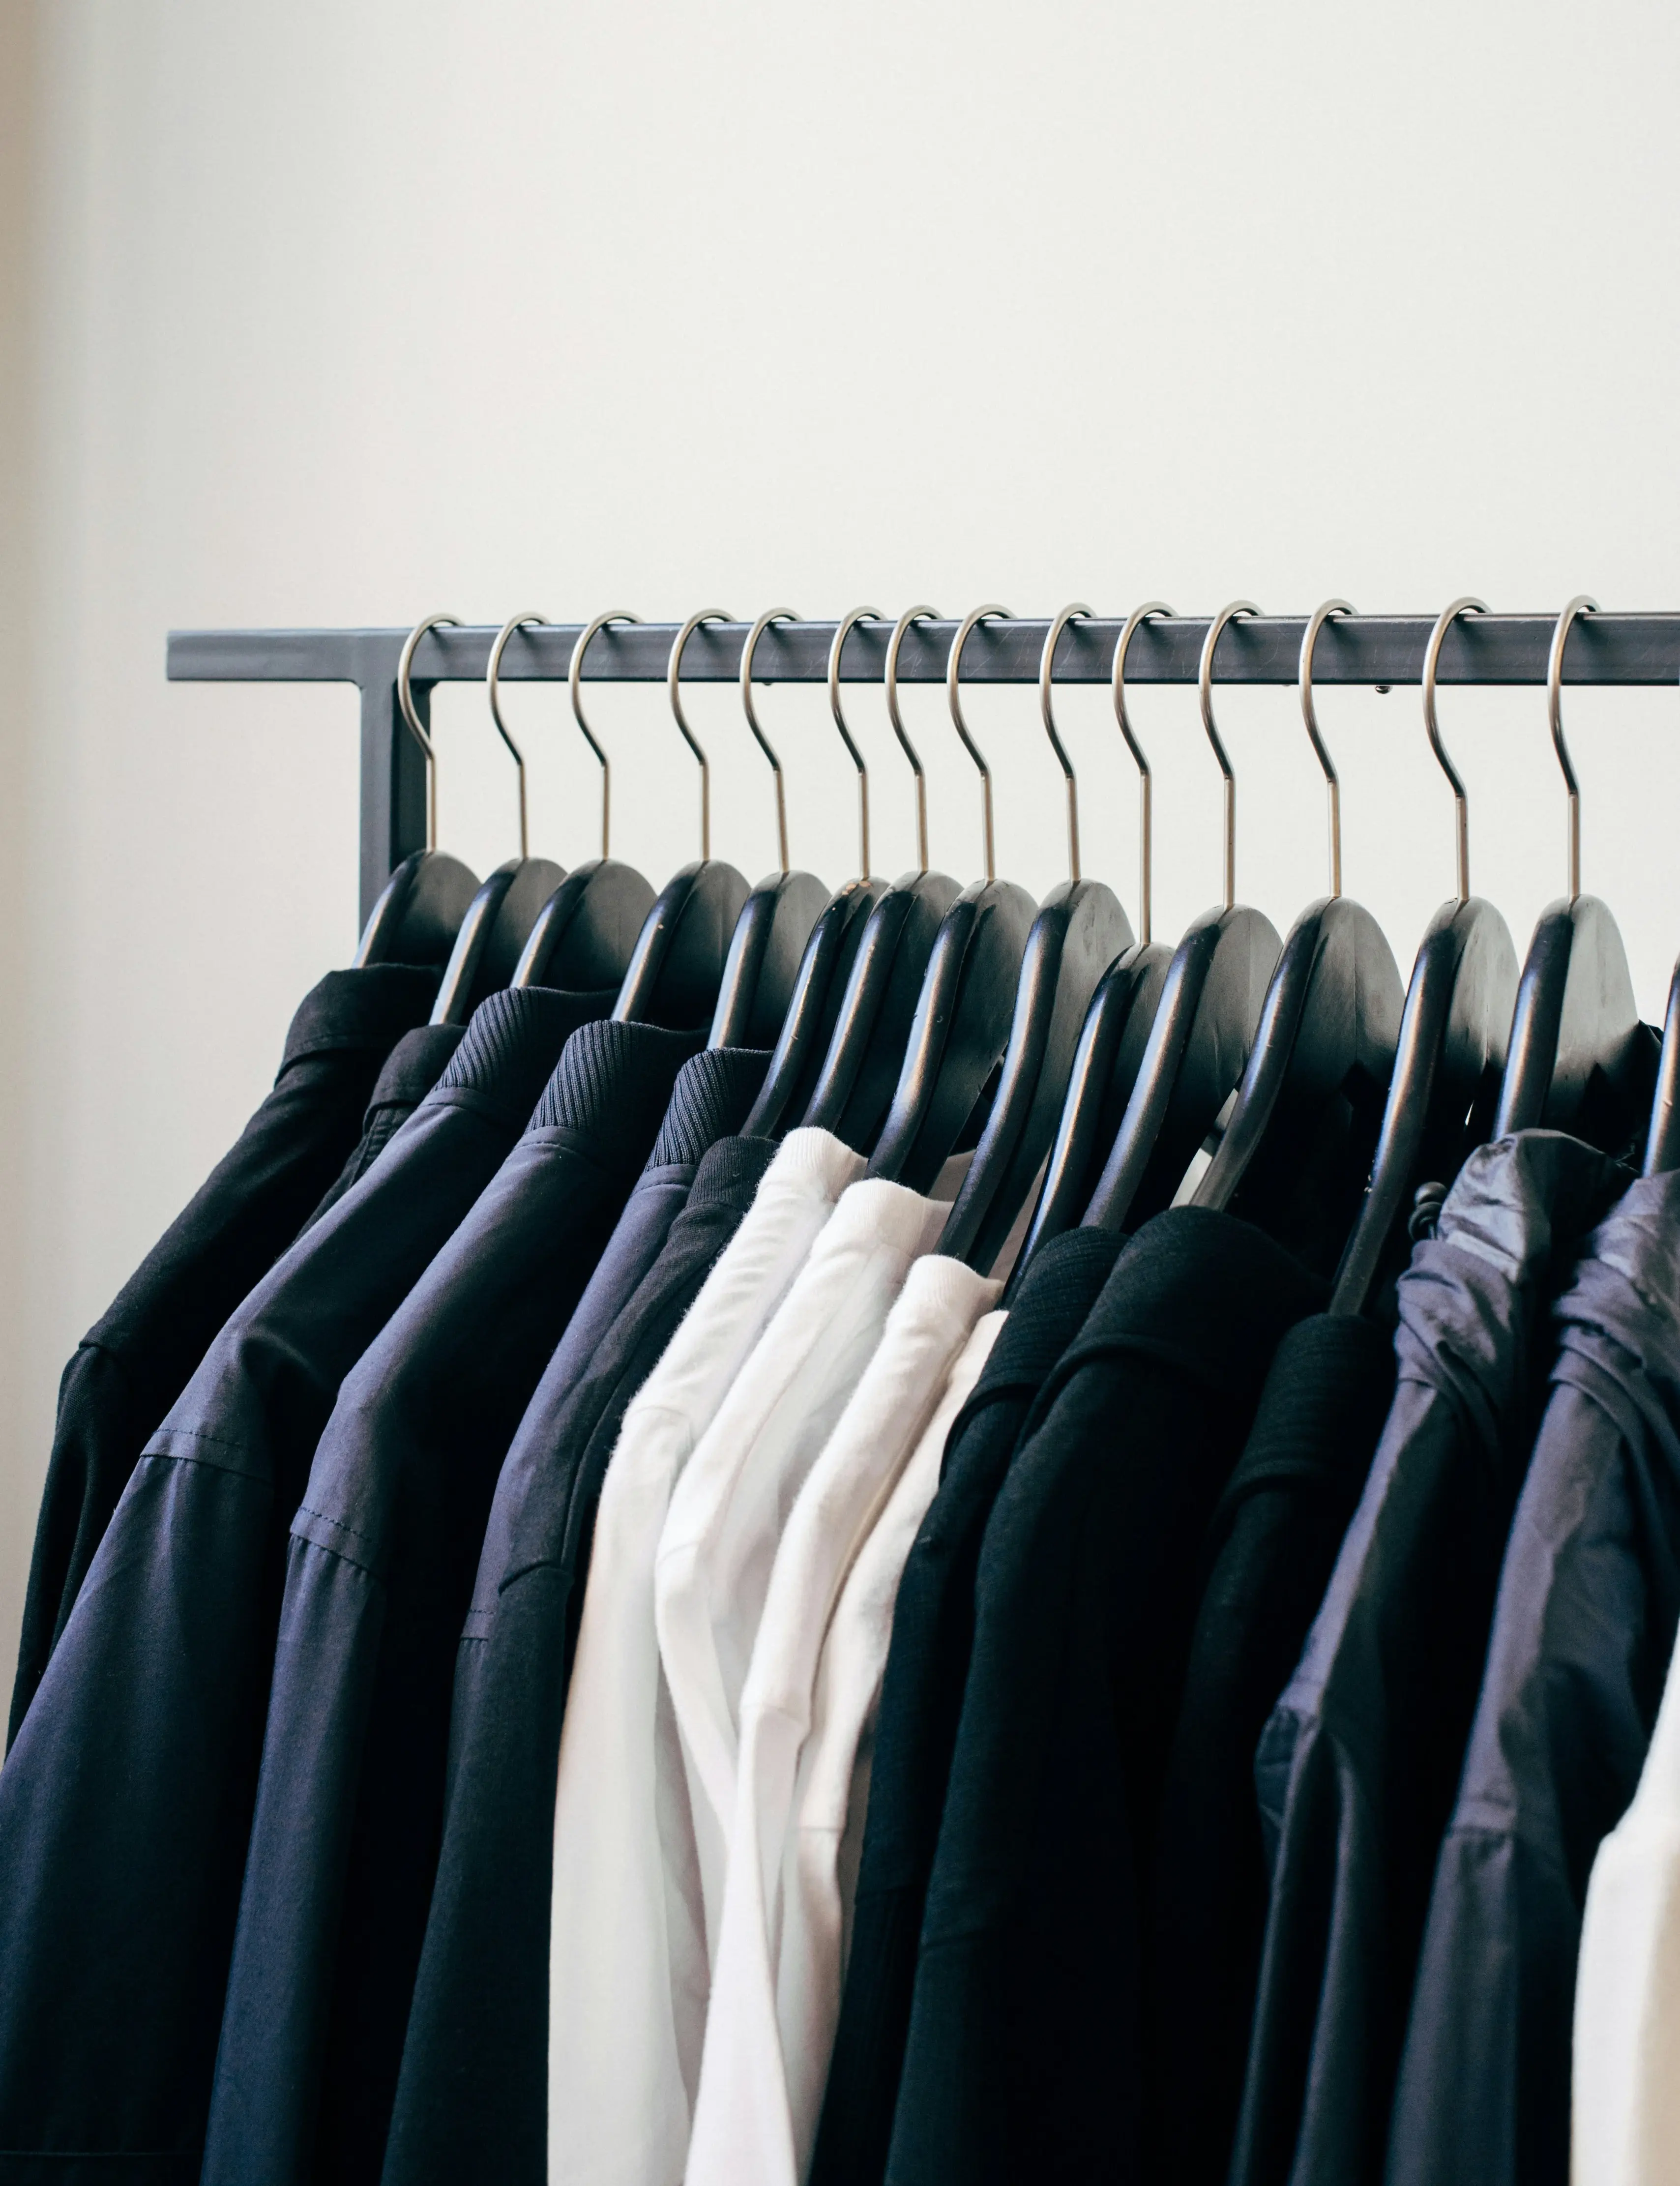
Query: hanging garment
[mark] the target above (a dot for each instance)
(718, 1543)
(775, 1971)
(379, 1575)
(1268, 1556)
(1359, 1762)
(1624, 2127)
(137, 1359)
(618, 2099)
(126, 1804)
(1584, 1627)
(1022, 2060)
(410, 1070)
(921, 1701)
(471, 2099)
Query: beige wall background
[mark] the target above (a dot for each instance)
(339, 313)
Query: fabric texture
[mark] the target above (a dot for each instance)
(137, 1359)
(126, 1804)
(1583, 1631)
(921, 1701)
(379, 1573)
(1268, 1556)
(1357, 1765)
(775, 1972)
(618, 2102)
(410, 1070)
(471, 2099)
(1022, 2060)
(1626, 2105)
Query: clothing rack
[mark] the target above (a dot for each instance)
(1380, 650)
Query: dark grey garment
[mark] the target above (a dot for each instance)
(411, 1069)
(1588, 1603)
(125, 1803)
(1358, 1766)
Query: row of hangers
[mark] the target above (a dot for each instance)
(915, 1018)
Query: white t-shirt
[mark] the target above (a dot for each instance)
(623, 2061)
(808, 1698)
(1625, 2128)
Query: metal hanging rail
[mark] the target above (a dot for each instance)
(1382, 650)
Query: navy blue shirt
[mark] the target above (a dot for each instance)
(379, 1573)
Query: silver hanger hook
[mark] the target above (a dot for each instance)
(404, 690)
(674, 691)
(1078, 613)
(493, 686)
(1468, 604)
(1582, 603)
(843, 631)
(1152, 611)
(574, 684)
(1234, 611)
(1330, 610)
(954, 696)
(772, 615)
(906, 621)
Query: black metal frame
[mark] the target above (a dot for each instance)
(1373, 649)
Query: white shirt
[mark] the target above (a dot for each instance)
(1625, 2129)
(809, 1701)
(727, 1510)
(623, 2058)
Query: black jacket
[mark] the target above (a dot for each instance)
(1268, 1554)
(471, 2103)
(379, 1573)
(1358, 1766)
(1588, 1601)
(1022, 2060)
(922, 1701)
(125, 1803)
(134, 1362)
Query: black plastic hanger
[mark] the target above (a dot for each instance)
(1451, 1055)
(966, 1003)
(676, 966)
(1294, 1157)
(419, 909)
(866, 1050)
(1579, 1059)
(1204, 1025)
(819, 988)
(1079, 932)
(1116, 1027)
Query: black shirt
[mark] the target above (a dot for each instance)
(344, 1835)
(1270, 1552)
(1022, 2060)
(135, 1361)
(1584, 1627)
(1357, 1765)
(472, 2104)
(125, 1803)
(921, 1701)
(413, 1068)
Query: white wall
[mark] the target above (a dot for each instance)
(346, 310)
